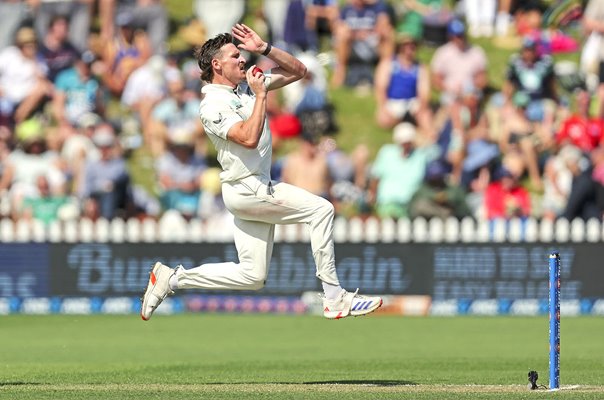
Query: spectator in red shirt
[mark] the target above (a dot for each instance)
(580, 129)
(505, 198)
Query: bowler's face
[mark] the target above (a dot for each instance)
(232, 63)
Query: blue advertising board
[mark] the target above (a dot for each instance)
(24, 269)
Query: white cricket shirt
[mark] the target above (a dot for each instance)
(222, 107)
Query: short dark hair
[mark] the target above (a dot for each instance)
(56, 18)
(207, 52)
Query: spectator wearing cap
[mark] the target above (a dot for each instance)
(23, 84)
(179, 171)
(306, 167)
(55, 50)
(105, 189)
(402, 88)
(533, 74)
(128, 49)
(363, 35)
(77, 17)
(179, 108)
(149, 16)
(77, 92)
(398, 171)
(30, 160)
(458, 64)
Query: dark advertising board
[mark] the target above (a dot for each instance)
(122, 269)
(24, 270)
(514, 271)
(442, 271)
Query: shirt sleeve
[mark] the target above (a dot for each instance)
(162, 164)
(481, 59)
(436, 66)
(217, 119)
(379, 165)
(61, 81)
(549, 68)
(511, 74)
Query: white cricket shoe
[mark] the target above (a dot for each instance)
(348, 303)
(157, 289)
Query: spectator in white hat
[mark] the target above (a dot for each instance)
(106, 186)
(23, 83)
(398, 171)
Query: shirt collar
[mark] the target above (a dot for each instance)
(213, 87)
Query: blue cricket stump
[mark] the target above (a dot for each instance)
(554, 321)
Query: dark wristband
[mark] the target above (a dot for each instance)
(267, 50)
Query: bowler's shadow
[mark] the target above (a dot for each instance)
(19, 383)
(368, 382)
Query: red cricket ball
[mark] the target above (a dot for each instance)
(257, 70)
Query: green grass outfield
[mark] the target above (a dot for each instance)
(283, 357)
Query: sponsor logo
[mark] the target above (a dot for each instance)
(484, 307)
(219, 120)
(525, 307)
(444, 307)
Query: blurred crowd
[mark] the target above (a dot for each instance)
(86, 87)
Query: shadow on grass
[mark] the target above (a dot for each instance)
(370, 382)
(366, 382)
(18, 383)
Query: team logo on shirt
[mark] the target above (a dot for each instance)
(219, 120)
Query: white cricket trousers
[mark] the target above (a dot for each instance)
(258, 205)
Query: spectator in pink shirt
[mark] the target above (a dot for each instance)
(458, 64)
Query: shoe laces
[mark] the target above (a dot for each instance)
(341, 296)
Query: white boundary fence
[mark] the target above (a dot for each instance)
(173, 228)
